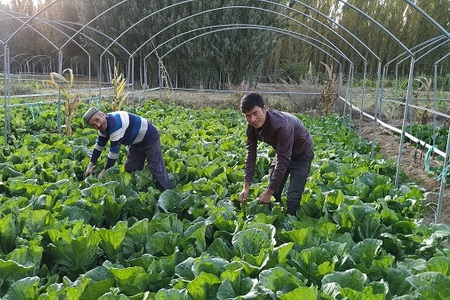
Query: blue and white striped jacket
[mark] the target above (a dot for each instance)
(123, 128)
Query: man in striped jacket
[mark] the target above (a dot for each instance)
(123, 128)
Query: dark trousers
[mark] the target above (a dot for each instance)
(299, 171)
(137, 154)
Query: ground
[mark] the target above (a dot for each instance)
(413, 165)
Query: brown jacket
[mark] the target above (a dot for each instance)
(286, 134)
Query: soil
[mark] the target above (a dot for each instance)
(413, 165)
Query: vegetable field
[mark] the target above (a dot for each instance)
(118, 237)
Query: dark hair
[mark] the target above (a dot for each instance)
(249, 101)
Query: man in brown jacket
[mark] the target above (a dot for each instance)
(293, 145)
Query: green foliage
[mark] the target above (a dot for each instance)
(292, 72)
(222, 58)
(20, 87)
(368, 83)
(235, 55)
(443, 82)
(355, 236)
(436, 137)
(73, 249)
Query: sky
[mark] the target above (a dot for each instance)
(7, 1)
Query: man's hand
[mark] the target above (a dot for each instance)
(100, 175)
(264, 198)
(243, 196)
(89, 170)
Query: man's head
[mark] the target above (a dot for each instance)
(249, 101)
(95, 118)
(89, 114)
(254, 109)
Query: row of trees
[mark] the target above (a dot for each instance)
(212, 43)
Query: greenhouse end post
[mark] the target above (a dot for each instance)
(58, 115)
(7, 93)
(405, 116)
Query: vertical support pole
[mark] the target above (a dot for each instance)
(131, 77)
(7, 95)
(100, 75)
(350, 99)
(405, 117)
(349, 91)
(443, 181)
(160, 77)
(377, 104)
(146, 85)
(89, 78)
(363, 96)
(396, 94)
(58, 117)
(435, 102)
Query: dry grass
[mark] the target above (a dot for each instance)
(293, 98)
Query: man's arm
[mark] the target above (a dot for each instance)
(250, 162)
(112, 157)
(98, 148)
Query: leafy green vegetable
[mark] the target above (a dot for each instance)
(355, 236)
(75, 249)
(132, 280)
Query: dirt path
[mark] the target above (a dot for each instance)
(413, 165)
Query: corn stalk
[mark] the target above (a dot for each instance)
(425, 85)
(119, 84)
(71, 101)
(165, 77)
(326, 97)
